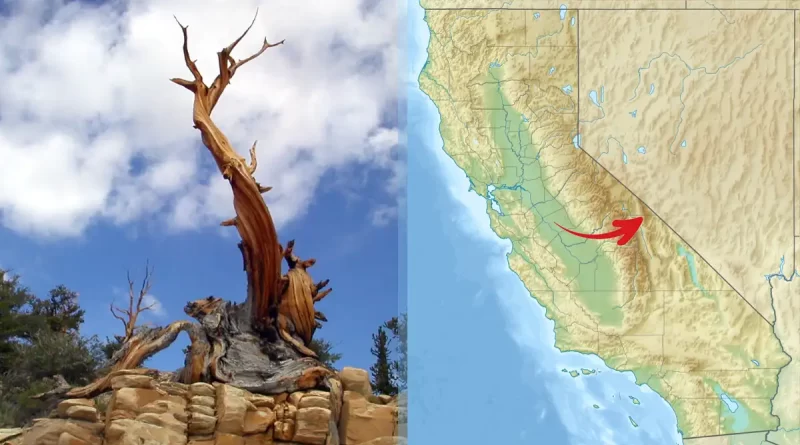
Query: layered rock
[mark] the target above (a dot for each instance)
(143, 411)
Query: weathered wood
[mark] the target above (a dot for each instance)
(285, 303)
(263, 344)
(259, 361)
(224, 348)
(259, 245)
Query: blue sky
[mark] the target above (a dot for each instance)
(358, 257)
(103, 171)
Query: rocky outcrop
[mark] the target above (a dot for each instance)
(143, 411)
(11, 436)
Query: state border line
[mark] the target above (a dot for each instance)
(578, 45)
(729, 434)
(644, 203)
(678, 235)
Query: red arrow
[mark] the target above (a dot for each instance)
(626, 228)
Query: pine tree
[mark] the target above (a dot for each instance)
(14, 321)
(382, 373)
(61, 311)
(399, 328)
(39, 339)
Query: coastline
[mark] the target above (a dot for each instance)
(606, 395)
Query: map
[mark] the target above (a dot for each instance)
(573, 116)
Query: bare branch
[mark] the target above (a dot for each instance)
(262, 189)
(253, 160)
(228, 65)
(188, 84)
(145, 289)
(129, 316)
(198, 78)
(228, 49)
(225, 63)
(321, 284)
(118, 317)
(288, 254)
(322, 295)
(264, 46)
(228, 222)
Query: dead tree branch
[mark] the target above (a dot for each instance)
(130, 316)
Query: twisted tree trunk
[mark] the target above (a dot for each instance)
(263, 344)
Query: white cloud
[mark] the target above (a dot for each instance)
(157, 308)
(92, 130)
(383, 215)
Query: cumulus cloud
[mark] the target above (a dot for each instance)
(92, 130)
(155, 305)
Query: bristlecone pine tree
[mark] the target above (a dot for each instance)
(261, 345)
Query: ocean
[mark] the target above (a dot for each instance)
(482, 365)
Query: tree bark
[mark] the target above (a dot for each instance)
(261, 345)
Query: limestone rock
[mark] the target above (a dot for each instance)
(336, 397)
(294, 398)
(259, 439)
(363, 421)
(223, 390)
(132, 381)
(202, 424)
(166, 420)
(175, 388)
(204, 441)
(131, 432)
(312, 425)
(64, 405)
(260, 401)
(231, 409)
(385, 399)
(309, 401)
(200, 409)
(318, 393)
(285, 411)
(48, 431)
(387, 440)
(134, 399)
(284, 430)
(202, 389)
(82, 412)
(68, 439)
(119, 414)
(229, 439)
(356, 380)
(203, 401)
(6, 434)
(164, 406)
(258, 421)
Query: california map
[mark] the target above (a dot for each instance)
(684, 113)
